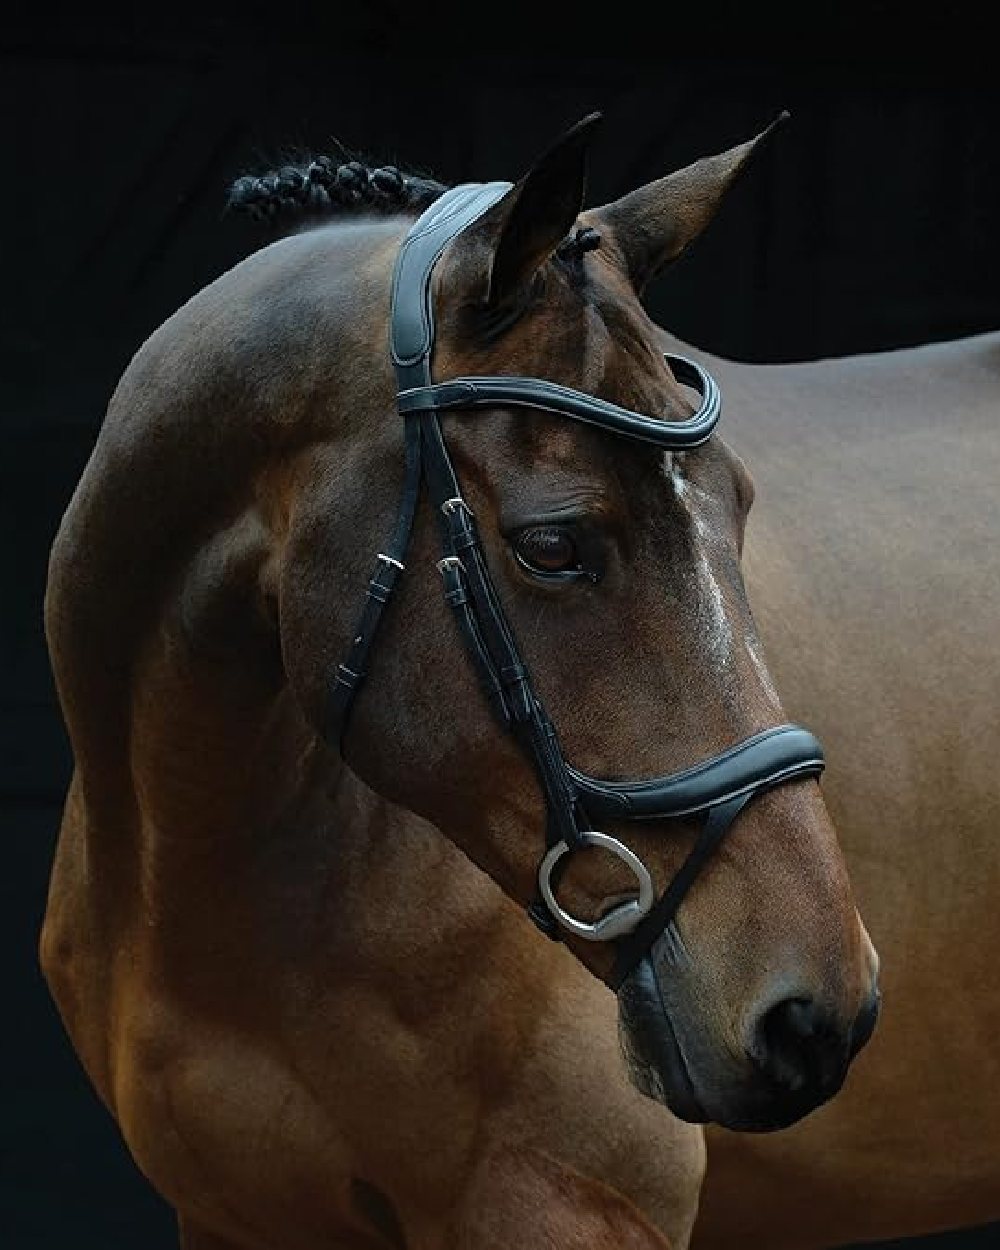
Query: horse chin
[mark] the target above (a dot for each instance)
(655, 1062)
(658, 1068)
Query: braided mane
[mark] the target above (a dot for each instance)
(316, 188)
(319, 187)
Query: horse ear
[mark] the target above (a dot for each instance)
(655, 223)
(527, 224)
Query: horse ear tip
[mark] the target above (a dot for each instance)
(577, 138)
(587, 124)
(772, 127)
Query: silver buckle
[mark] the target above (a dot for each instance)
(621, 919)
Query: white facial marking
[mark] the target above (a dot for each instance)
(753, 650)
(676, 480)
(718, 636)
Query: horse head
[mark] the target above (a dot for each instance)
(616, 565)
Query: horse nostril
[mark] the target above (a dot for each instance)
(798, 1045)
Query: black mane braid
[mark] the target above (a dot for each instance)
(322, 188)
(311, 190)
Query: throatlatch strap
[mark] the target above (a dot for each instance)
(411, 338)
(388, 566)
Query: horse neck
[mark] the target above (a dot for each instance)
(257, 843)
(221, 801)
(167, 667)
(265, 362)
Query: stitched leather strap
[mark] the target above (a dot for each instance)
(768, 758)
(411, 331)
(389, 565)
(631, 949)
(468, 394)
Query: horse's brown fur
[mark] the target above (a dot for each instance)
(312, 1019)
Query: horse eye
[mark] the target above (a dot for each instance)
(547, 549)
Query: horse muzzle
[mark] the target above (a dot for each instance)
(796, 1057)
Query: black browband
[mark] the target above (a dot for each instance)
(718, 787)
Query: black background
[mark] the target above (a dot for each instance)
(870, 223)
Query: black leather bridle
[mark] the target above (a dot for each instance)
(718, 787)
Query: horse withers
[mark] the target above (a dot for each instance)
(244, 845)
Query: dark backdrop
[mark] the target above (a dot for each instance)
(870, 223)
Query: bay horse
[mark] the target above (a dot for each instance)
(872, 569)
(273, 931)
